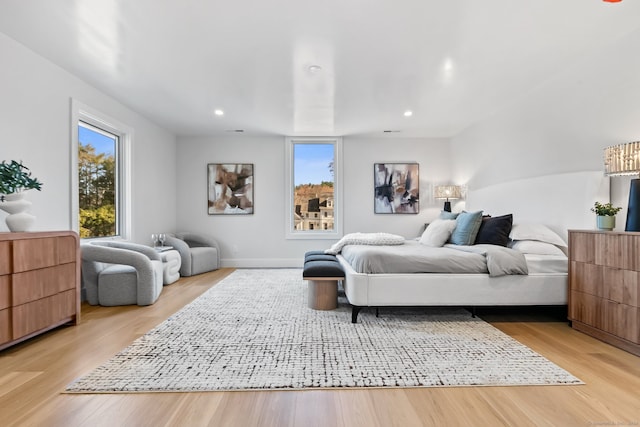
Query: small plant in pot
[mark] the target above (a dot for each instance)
(606, 215)
(15, 179)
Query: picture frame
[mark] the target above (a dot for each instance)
(230, 188)
(396, 188)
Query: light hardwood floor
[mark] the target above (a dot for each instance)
(34, 374)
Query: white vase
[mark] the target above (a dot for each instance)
(15, 205)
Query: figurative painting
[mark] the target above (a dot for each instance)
(397, 188)
(229, 188)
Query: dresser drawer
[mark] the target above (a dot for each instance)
(587, 278)
(609, 316)
(31, 254)
(621, 320)
(36, 284)
(5, 292)
(5, 326)
(621, 286)
(586, 308)
(40, 314)
(5, 257)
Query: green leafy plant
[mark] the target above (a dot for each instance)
(16, 177)
(605, 209)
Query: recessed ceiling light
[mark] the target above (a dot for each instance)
(408, 113)
(391, 131)
(218, 112)
(448, 65)
(313, 69)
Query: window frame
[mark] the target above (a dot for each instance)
(290, 232)
(83, 113)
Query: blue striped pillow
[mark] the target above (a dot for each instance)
(467, 226)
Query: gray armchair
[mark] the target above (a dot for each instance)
(199, 252)
(120, 273)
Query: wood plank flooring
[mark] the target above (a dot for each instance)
(34, 374)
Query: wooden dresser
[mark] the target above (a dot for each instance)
(604, 283)
(39, 283)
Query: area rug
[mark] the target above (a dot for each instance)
(253, 330)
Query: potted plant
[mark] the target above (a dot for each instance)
(15, 179)
(606, 215)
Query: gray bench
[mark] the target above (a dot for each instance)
(323, 272)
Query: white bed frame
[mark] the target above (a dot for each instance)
(561, 202)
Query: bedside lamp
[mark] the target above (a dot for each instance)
(624, 159)
(447, 192)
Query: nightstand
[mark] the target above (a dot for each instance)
(604, 286)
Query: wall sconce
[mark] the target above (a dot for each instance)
(447, 192)
(624, 159)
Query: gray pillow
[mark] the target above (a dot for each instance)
(467, 226)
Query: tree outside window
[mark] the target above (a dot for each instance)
(97, 179)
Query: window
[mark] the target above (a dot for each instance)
(313, 188)
(101, 206)
(97, 161)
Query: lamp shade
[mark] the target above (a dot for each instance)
(622, 159)
(447, 192)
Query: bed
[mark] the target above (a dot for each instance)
(558, 202)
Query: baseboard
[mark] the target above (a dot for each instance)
(263, 262)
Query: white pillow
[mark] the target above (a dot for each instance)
(438, 232)
(538, 232)
(536, 247)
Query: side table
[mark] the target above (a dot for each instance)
(171, 262)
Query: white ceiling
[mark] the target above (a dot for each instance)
(452, 62)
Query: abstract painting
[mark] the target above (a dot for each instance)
(229, 188)
(397, 188)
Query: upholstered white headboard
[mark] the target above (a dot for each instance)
(561, 201)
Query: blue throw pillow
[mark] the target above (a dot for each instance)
(448, 215)
(467, 226)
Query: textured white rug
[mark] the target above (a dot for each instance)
(253, 330)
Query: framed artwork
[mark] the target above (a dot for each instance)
(396, 188)
(229, 188)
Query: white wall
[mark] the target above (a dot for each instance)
(360, 154)
(561, 126)
(259, 239)
(35, 128)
